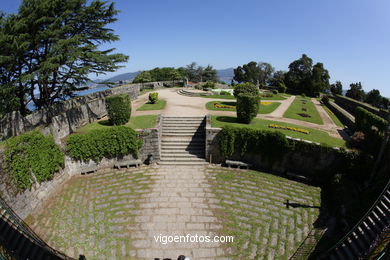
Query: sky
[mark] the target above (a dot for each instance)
(350, 37)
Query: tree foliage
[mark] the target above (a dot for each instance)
(195, 73)
(356, 91)
(256, 73)
(32, 157)
(336, 88)
(303, 77)
(51, 46)
(373, 97)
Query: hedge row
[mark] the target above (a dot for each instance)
(365, 120)
(268, 143)
(111, 142)
(32, 157)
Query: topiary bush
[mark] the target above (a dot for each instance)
(247, 107)
(110, 142)
(32, 157)
(282, 87)
(246, 88)
(153, 97)
(275, 91)
(325, 99)
(118, 109)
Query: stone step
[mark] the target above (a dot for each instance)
(182, 145)
(184, 130)
(183, 163)
(183, 123)
(181, 156)
(182, 159)
(183, 150)
(183, 134)
(184, 139)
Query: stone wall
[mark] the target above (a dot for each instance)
(63, 118)
(28, 201)
(305, 163)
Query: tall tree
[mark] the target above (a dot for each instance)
(277, 78)
(299, 75)
(356, 91)
(373, 97)
(336, 88)
(143, 77)
(319, 79)
(210, 74)
(256, 73)
(56, 46)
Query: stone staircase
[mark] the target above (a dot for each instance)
(358, 242)
(183, 140)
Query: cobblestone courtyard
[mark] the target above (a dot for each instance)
(117, 214)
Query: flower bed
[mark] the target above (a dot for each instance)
(300, 130)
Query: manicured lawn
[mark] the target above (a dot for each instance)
(220, 96)
(264, 108)
(335, 119)
(160, 104)
(257, 123)
(274, 97)
(136, 122)
(303, 109)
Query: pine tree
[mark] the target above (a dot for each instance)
(56, 46)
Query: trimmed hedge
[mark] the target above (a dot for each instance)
(365, 120)
(153, 97)
(268, 143)
(111, 142)
(247, 107)
(246, 88)
(32, 157)
(118, 109)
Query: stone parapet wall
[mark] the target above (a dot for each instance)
(63, 118)
(27, 202)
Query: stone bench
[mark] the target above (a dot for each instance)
(88, 169)
(127, 163)
(297, 176)
(239, 164)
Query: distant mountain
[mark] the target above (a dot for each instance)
(224, 75)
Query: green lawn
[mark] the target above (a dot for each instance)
(220, 96)
(257, 123)
(303, 109)
(335, 119)
(160, 104)
(263, 109)
(274, 97)
(136, 122)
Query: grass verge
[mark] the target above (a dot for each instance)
(335, 119)
(303, 109)
(257, 123)
(160, 104)
(136, 122)
(263, 109)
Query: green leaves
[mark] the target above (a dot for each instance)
(32, 156)
(118, 109)
(247, 107)
(111, 142)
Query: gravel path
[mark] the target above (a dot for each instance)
(183, 105)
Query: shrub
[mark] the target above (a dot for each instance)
(208, 85)
(357, 140)
(325, 99)
(153, 97)
(275, 91)
(303, 95)
(225, 93)
(110, 142)
(118, 109)
(247, 107)
(282, 88)
(246, 88)
(32, 156)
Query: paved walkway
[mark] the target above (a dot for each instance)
(183, 105)
(180, 204)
